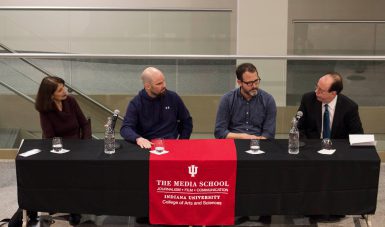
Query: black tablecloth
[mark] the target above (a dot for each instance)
(85, 180)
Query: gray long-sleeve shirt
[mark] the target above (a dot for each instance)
(255, 117)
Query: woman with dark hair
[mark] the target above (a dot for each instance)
(60, 114)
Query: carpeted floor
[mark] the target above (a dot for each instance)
(8, 205)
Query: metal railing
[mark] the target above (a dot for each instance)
(50, 74)
(196, 57)
(18, 92)
(60, 8)
(26, 56)
(339, 21)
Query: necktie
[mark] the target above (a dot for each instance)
(326, 126)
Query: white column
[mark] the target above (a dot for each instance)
(262, 30)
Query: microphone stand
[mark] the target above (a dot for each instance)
(117, 144)
(298, 116)
(114, 118)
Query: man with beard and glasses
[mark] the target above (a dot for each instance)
(155, 113)
(246, 112)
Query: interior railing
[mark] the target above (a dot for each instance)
(71, 88)
(209, 115)
(193, 56)
(61, 8)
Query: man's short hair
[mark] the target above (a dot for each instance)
(245, 67)
(147, 74)
(337, 85)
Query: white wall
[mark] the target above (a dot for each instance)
(262, 30)
(342, 36)
(121, 32)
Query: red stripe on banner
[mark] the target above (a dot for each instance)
(194, 183)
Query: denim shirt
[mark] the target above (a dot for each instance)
(255, 117)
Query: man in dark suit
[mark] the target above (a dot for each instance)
(328, 114)
(342, 112)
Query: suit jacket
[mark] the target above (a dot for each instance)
(346, 118)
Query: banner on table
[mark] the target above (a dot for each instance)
(194, 183)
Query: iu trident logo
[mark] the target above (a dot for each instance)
(193, 170)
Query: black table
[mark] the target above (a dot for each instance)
(86, 180)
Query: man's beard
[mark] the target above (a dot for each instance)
(162, 93)
(253, 92)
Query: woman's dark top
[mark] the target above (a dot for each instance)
(68, 123)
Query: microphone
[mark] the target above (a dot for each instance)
(114, 118)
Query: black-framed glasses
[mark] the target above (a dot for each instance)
(250, 83)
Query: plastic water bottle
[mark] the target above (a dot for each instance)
(294, 138)
(109, 138)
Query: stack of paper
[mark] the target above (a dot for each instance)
(30, 152)
(362, 140)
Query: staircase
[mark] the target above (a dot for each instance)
(9, 137)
